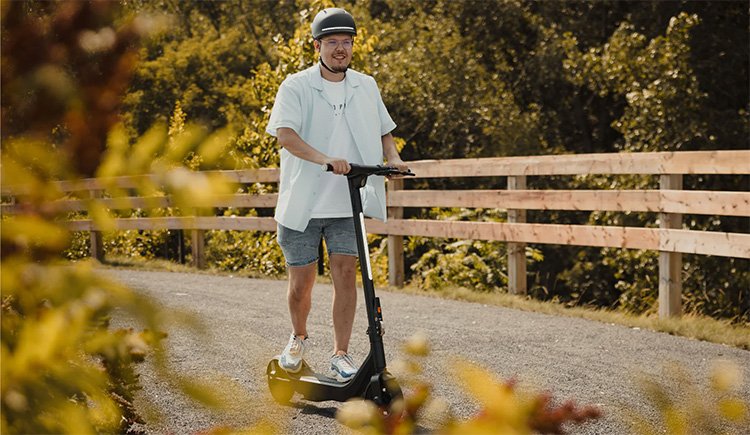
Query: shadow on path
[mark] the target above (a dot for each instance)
(308, 408)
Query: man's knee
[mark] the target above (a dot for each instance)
(301, 281)
(343, 264)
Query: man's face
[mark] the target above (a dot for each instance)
(336, 51)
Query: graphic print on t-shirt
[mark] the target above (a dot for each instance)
(338, 109)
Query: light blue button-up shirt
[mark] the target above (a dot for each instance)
(301, 105)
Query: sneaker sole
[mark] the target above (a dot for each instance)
(333, 374)
(291, 370)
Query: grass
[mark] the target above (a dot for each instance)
(171, 266)
(689, 325)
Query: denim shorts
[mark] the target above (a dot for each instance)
(300, 248)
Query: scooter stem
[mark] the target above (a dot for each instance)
(374, 329)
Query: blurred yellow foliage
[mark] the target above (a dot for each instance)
(684, 406)
(64, 369)
(59, 360)
(503, 408)
(678, 404)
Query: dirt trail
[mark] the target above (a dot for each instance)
(247, 323)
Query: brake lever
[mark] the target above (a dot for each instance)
(395, 171)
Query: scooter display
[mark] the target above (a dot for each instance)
(372, 381)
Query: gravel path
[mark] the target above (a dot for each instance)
(246, 323)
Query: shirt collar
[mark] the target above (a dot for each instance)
(352, 81)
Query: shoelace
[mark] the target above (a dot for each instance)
(297, 346)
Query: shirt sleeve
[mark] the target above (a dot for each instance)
(286, 111)
(386, 122)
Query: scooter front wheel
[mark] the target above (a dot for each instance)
(279, 383)
(383, 391)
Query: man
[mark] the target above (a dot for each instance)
(327, 114)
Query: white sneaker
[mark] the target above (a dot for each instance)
(291, 359)
(343, 368)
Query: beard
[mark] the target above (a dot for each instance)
(336, 65)
(339, 68)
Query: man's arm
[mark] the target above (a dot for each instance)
(290, 140)
(391, 153)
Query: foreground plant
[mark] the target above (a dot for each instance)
(63, 370)
(504, 408)
(65, 66)
(686, 406)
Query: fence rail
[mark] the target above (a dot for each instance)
(670, 201)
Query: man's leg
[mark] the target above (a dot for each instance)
(299, 296)
(344, 274)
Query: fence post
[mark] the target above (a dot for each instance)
(181, 246)
(517, 251)
(197, 245)
(395, 243)
(670, 263)
(96, 248)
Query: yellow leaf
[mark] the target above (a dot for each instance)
(358, 413)
(213, 147)
(418, 344)
(725, 376)
(500, 403)
(184, 142)
(733, 409)
(675, 421)
(34, 232)
(36, 154)
(113, 161)
(146, 149)
(68, 418)
(101, 216)
(105, 414)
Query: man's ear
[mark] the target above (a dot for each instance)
(316, 44)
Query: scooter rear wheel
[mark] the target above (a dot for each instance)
(279, 383)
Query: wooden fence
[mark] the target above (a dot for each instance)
(670, 201)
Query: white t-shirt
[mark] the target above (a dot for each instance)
(332, 196)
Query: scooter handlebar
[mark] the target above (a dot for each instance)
(383, 170)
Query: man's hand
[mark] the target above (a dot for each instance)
(340, 166)
(400, 165)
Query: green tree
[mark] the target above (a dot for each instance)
(663, 109)
(504, 77)
(446, 100)
(204, 60)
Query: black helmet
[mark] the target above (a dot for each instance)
(333, 20)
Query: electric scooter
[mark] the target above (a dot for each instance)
(372, 381)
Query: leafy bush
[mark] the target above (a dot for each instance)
(473, 264)
(465, 263)
(79, 246)
(253, 252)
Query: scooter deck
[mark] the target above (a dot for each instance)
(318, 387)
(307, 374)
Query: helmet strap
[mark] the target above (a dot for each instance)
(329, 69)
